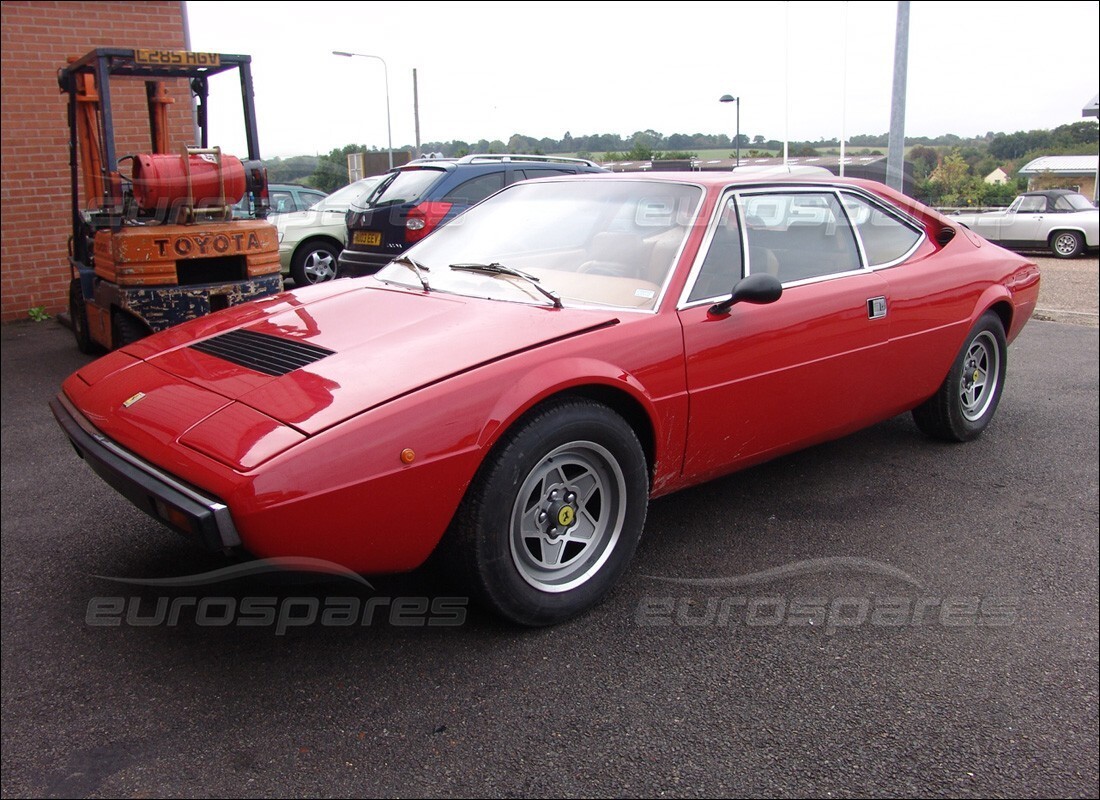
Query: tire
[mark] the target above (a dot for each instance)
(126, 329)
(554, 515)
(314, 262)
(967, 400)
(78, 315)
(1066, 244)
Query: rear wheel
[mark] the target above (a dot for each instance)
(555, 513)
(78, 315)
(968, 397)
(1066, 244)
(314, 262)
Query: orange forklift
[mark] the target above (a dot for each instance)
(160, 246)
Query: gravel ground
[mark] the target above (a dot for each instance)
(1069, 291)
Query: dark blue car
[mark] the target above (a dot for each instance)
(418, 197)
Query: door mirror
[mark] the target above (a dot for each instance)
(757, 289)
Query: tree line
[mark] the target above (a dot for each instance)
(947, 169)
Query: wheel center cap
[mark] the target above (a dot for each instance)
(561, 514)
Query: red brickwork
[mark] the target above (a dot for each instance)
(35, 211)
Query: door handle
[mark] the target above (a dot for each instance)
(876, 307)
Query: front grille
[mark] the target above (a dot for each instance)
(271, 355)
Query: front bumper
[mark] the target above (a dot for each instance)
(158, 494)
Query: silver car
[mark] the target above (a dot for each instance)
(1062, 220)
(310, 241)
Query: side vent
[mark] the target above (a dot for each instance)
(271, 355)
(945, 235)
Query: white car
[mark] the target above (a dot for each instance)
(311, 241)
(1062, 220)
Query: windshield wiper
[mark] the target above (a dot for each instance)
(499, 269)
(419, 269)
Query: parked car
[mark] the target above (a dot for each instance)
(311, 241)
(1063, 221)
(511, 391)
(424, 194)
(285, 198)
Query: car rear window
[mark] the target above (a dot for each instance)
(885, 238)
(407, 186)
(1073, 202)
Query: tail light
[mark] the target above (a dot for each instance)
(423, 219)
(256, 184)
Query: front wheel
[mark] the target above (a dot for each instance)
(126, 329)
(1066, 244)
(967, 399)
(78, 316)
(555, 513)
(314, 262)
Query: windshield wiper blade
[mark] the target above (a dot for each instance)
(499, 269)
(419, 269)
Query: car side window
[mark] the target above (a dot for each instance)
(721, 267)
(1062, 203)
(281, 202)
(885, 238)
(1035, 204)
(797, 236)
(475, 189)
(310, 199)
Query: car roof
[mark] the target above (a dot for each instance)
(504, 158)
(717, 181)
(1050, 192)
(730, 178)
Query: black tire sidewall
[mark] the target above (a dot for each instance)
(78, 316)
(500, 581)
(126, 329)
(967, 429)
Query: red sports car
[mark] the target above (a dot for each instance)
(516, 387)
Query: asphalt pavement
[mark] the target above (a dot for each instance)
(878, 616)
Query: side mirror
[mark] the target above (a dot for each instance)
(757, 289)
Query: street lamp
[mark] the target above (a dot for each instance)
(728, 98)
(386, 71)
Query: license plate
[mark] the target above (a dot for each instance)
(369, 238)
(176, 58)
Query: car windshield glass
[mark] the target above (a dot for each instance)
(406, 186)
(590, 242)
(341, 199)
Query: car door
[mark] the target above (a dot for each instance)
(1022, 227)
(766, 379)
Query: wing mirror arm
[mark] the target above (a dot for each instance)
(757, 289)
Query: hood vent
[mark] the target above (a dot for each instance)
(271, 355)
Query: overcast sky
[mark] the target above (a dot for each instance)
(809, 70)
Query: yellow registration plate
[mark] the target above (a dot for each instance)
(176, 58)
(369, 238)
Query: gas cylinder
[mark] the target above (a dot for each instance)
(161, 179)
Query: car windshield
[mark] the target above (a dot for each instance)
(588, 242)
(405, 186)
(342, 199)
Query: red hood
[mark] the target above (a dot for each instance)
(385, 343)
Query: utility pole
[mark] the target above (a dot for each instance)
(416, 114)
(895, 154)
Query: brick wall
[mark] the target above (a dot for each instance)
(35, 215)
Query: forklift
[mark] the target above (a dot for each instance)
(160, 246)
